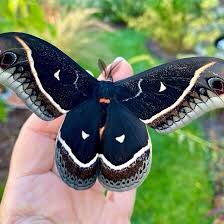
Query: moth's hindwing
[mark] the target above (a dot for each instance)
(171, 95)
(76, 147)
(47, 80)
(126, 150)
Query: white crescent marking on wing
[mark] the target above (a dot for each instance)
(129, 162)
(101, 156)
(139, 91)
(34, 72)
(74, 158)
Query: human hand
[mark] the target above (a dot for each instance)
(34, 192)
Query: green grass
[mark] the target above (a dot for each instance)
(177, 189)
(1, 190)
(122, 43)
(3, 111)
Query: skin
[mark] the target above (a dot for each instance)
(34, 192)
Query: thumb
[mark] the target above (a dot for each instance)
(122, 70)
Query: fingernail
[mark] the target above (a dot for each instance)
(118, 59)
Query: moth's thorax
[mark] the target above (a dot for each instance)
(105, 91)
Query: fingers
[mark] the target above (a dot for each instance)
(119, 205)
(46, 128)
(34, 149)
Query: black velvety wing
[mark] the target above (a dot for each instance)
(171, 95)
(76, 147)
(125, 156)
(47, 80)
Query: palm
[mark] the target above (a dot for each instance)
(42, 195)
(64, 205)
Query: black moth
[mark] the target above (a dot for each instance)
(104, 134)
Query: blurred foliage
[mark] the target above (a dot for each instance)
(75, 31)
(2, 186)
(177, 189)
(3, 111)
(132, 49)
(115, 11)
(190, 139)
(22, 15)
(176, 25)
(143, 57)
(70, 29)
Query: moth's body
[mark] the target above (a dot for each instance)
(104, 134)
(105, 90)
(106, 157)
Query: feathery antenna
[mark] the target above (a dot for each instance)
(103, 68)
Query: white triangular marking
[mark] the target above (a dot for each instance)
(120, 138)
(85, 135)
(162, 87)
(56, 74)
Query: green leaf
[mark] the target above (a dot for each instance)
(13, 6)
(3, 111)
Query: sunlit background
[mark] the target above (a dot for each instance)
(186, 182)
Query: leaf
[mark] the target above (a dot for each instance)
(181, 138)
(13, 6)
(3, 111)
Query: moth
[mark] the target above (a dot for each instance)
(104, 134)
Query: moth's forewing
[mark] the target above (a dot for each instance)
(171, 95)
(47, 80)
(125, 150)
